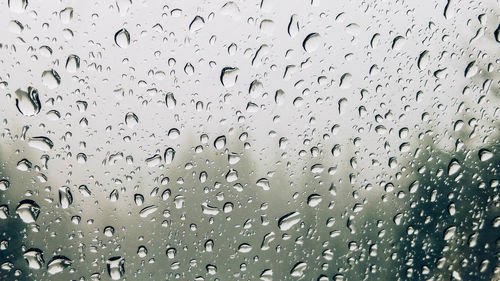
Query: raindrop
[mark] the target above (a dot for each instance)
(298, 269)
(28, 103)
(228, 76)
(423, 60)
(311, 43)
(51, 79)
(169, 155)
(131, 120)
(58, 264)
(170, 100)
(28, 211)
(220, 142)
(244, 248)
(4, 185)
(122, 38)
(65, 197)
(41, 143)
(116, 267)
(485, 154)
(146, 211)
(263, 183)
(72, 63)
(196, 24)
(287, 221)
(18, 6)
(34, 258)
(453, 167)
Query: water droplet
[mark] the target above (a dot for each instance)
(471, 69)
(244, 248)
(72, 63)
(220, 142)
(122, 38)
(24, 165)
(116, 267)
(233, 158)
(228, 76)
(345, 81)
(28, 103)
(146, 211)
(169, 155)
(312, 42)
(279, 97)
(41, 143)
(453, 167)
(170, 100)
(287, 221)
(34, 258)
(293, 26)
(51, 79)
(142, 251)
(138, 199)
(66, 15)
(58, 264)
(4, 212)
(413, 187)
(298, 269)
(131, 120)
(263, 183)
(196, 24)
(398, 43)
(18, 6)
(109, 231)
(232, 175)
(313, 200)
(28, 211)
(65, 197)
(423, 60)
(449, 233)
(4, 185)
(485, 154)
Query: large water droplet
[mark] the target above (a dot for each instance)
(122, 38)
(485, 154)
(131, 119)
(287, 221)
(28, 211)
(72, 63)
(423, 60)
(263, 183)
(18, 6)
(28, 103)
(228, 76)
(58, 264)
(196, 24)
(169, 155)
(298, 269)
(312, 42)
(116, 267)
(34, 258)
(51, 79)
(170, 100)
(453, 167)
(65, 197)
(41, 143)
(220, 142)
(146, 211)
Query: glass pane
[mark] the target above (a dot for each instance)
(249, 140)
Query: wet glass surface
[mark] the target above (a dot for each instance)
(249, 140)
